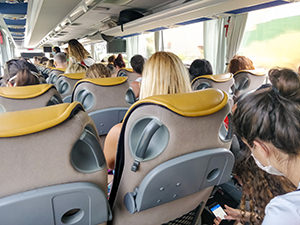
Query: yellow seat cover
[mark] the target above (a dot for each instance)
(257, 72)
(109, 81)
(24, 92)
(220, 78)
(194, 104)
(34, 120)
(73, 76)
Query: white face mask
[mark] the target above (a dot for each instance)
(269, 169)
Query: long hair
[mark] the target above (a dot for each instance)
(24, 77)
(238, 63)
(97, 70)
(259, 187)
(164, 73)
(77, 51)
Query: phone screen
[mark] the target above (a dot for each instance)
(218, 211)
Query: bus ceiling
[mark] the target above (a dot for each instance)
(32, 23)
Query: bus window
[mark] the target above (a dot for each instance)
(185, 41)
(272, 37)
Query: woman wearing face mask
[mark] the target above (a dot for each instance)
(268, 121)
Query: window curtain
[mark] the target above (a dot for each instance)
(235, 35)
(132, 46)
(222, 39)
(215, 43)
(159, 41)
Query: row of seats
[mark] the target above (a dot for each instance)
(237, 84)
(59, 169)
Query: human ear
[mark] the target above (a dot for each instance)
(262, 148)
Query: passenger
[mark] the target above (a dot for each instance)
(200, 67)
(268, 121)
(44, 61)
(164, 73)
(137, 63)
(13, 66)
(76, 68)
(60, 60)
(111, 59)
(79, 54)
(97, 70)
(36, 60)
(50, 63)
(238, 63)
(23, 78)
(56, 50)
(119, 64)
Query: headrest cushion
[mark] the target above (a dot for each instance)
(31, 121)
(25, 92)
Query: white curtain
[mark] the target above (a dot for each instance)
(235, 34)
(159, 41)
(215, 44)
(222, 39)
(132, 46)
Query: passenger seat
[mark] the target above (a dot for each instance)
(172, 150)
(53, 170)
(219, 81)
(104, 99)
(65, 84)
(248, 80)
(28, 97)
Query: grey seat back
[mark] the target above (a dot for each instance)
(53, 75)
(172, 151)
(219, 81)
(52, 168)
(248, 80)
(28, 97)
(65, 84)
(104, 99)
(132, 76)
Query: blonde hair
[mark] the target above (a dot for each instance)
(97, 70)
(164, 73)
(75, 68)
(77, 51)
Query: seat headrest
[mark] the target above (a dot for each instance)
(73, 76)
(220, 78)
(31, 121)
(257, 72)
(109, 81)
(194, 104)
(59, 69)
(129, 70)
(25, 92)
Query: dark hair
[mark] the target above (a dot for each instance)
(24, 77)
(259, 187)
(272, 114)
(14, 65)
(137, 63)
(56, 49)
(238, 63)
(119, 61)
(200, 67)
(111, 59)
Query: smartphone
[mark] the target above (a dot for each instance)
(218, 211)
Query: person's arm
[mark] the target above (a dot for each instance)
(111, 145)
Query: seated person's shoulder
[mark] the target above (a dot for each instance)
(283, 209)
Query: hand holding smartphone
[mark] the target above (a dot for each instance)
(218, 211)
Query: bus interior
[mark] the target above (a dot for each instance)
(176, 154)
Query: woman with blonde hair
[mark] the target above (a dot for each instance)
(75, 68)
(164, 73)
(79, 54)
(97, 70)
